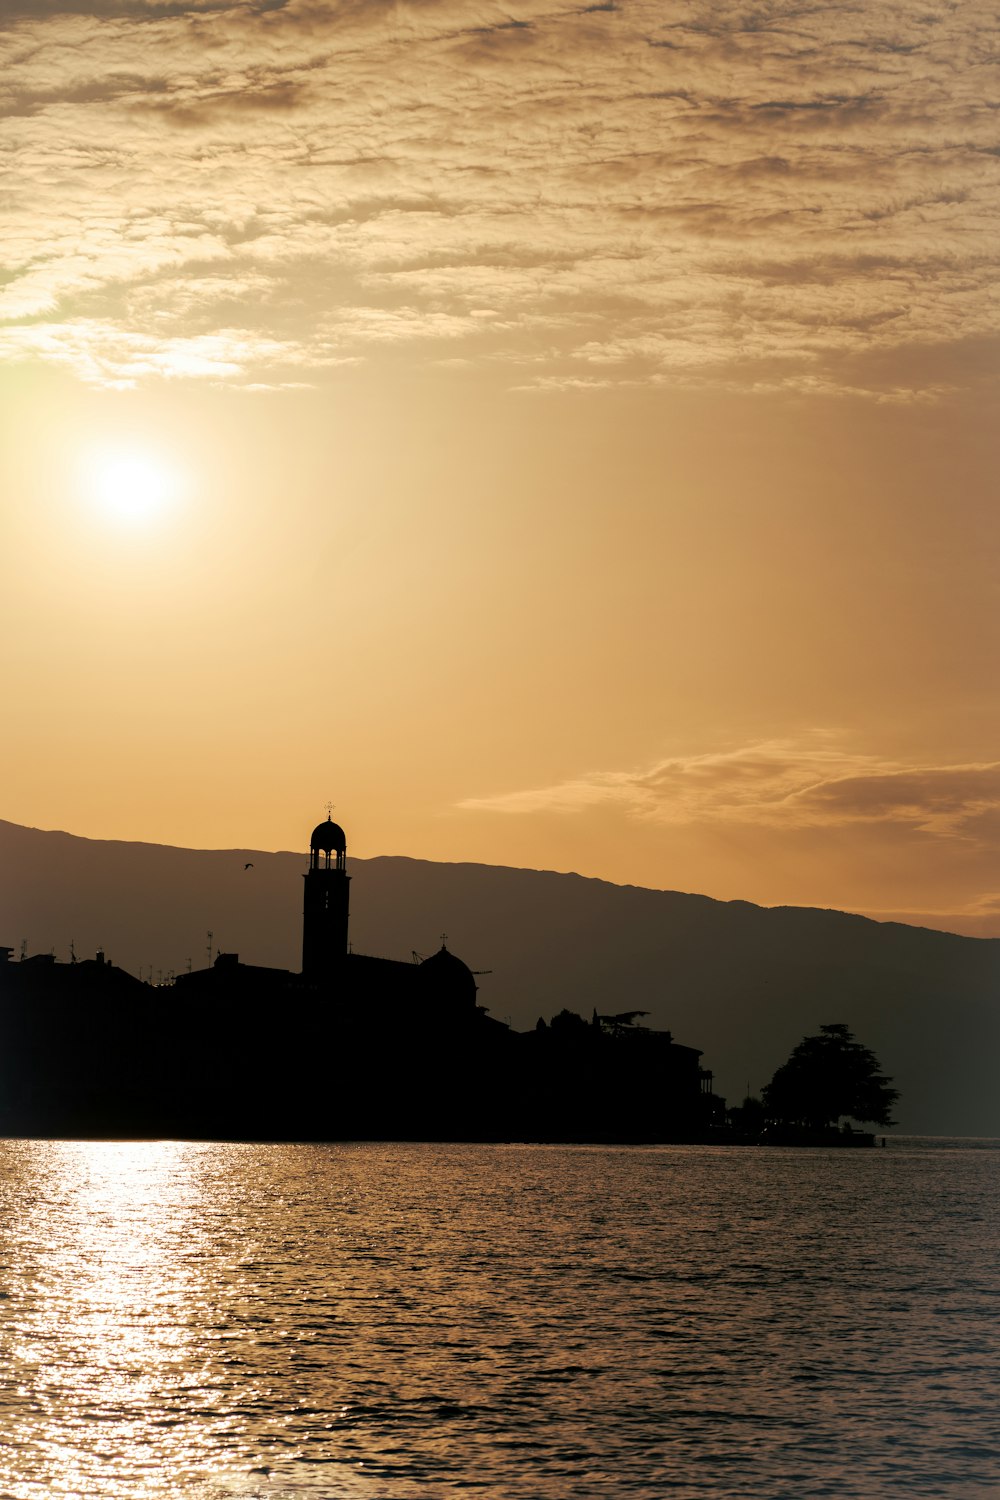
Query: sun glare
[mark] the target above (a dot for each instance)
(133, 488)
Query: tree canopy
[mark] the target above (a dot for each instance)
(829, 1076)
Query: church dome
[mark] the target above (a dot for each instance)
(328, 837)
(449, 977)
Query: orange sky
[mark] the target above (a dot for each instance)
(560, 436)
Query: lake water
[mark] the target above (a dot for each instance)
(378, 1322)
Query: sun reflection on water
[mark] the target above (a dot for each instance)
(165, 1331)
(107, 1239)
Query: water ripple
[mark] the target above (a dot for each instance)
(227, 1322)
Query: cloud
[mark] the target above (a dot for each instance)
(636, 192)
(938, 799)
(780, 784)
(119, 359)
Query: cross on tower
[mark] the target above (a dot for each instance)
(329, 809)
(444, 938)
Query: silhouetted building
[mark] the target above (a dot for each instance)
(417, 998)
(353, 1046)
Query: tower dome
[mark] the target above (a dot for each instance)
(328, 838)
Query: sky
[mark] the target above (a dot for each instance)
(559, 436)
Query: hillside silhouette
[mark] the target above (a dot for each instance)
(745, 981)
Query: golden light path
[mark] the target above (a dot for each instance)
(140, 1309)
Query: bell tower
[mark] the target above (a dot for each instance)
(324, 922)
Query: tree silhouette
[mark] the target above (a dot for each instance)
(826, 1077)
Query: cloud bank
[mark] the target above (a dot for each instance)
(772, 195)
(781, 784)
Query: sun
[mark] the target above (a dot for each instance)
(133, 487)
